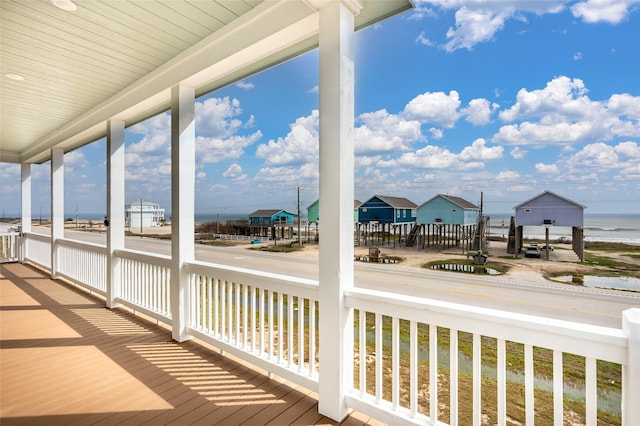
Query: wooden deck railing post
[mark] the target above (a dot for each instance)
(631, 371)
(336, 204)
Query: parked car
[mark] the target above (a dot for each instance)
(532, 251)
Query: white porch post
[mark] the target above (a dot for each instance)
(336, 204)
(115, 207)
(57, 206)
(25, 193)
(183, 157)
(631, 371)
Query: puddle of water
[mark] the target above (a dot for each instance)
(624, 283)
(465, 268)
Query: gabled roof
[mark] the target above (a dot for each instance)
(458, 201)
(268, 213)
(395, 202)
(552, 194)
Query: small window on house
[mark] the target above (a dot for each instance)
(364, 210)
(398, 214)
(527, 210)
(404, 213)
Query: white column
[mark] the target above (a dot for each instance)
(25, 210)
(25, 191)
(183, 178)
(115, 207)
(631, 370)
(57, 206)
(336, 204)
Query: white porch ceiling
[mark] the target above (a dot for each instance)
(119, 59)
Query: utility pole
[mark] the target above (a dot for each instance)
(140, 216)
(299, 235)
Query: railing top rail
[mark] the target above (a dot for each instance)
(37, 236)
(267, 280)
(82, 244)
(609, 344)
(140, 256)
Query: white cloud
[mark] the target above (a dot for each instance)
(631, 150)
(217, 117)
(596, 155)
(473, 27)
(563, 113)
(478, 21)
(234, 172)
(610, 11)
(561, 94)
(508, 175)
(306, 173)
(577, 56)
(517, 153)
(479, 151)
(434, 157)
(245, 85)
(547, 169)
(75, 158)
(434, 107)
(300, 145)
(479, 111)
(436, 133)
(383, 132)
(423, 40)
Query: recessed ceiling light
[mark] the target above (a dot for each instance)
(16, 77)
(67, 5)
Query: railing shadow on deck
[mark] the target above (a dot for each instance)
(88, 364)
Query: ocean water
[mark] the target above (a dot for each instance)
(598, 227)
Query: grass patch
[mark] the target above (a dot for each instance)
(608, 376)
(616, 267)
(280, 248)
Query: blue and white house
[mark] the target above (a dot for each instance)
(448, 209)
(445, 221)
(387, 210)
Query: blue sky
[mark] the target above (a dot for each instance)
(507, 98)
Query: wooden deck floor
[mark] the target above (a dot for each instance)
(66, 359)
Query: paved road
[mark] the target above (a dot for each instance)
(517, 293)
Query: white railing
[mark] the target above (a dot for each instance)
(416, 361)
(37, 249)
(144, 283)
(407, 345)
(84, 264)
(9, 247)
(267, 319)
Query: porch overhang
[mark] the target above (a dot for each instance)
(36, 118)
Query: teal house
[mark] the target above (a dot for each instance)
(271, 217)
(313, 211)
(449, 210)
